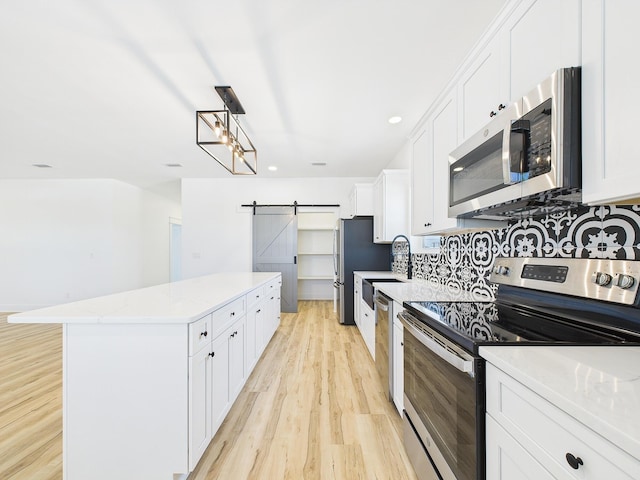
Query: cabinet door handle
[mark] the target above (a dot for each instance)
(233, 314)
(501, 106)
(204, 334)
(212, 354)
(575, 462)
(427, 224)
(259, 310)
(492, 114)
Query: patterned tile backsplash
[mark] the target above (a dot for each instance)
(464, 261)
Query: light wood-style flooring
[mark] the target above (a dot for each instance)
(313, 408)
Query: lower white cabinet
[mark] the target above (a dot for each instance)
(200, 407)
(218, 369)
(527, 433)
(367, 327)
(507, 459)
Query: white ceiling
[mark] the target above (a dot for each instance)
(110, 88)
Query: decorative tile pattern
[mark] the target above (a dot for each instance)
(465, 260)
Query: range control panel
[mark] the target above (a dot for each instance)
(609, 280)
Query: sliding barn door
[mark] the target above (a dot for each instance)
(275, 249)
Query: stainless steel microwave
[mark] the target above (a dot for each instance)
(526, 161)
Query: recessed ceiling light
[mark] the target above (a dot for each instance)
(42, 165)
(272, 168)
(394, 120)
(173, 165)
(319, 164)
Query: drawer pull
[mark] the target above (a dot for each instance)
(233, 314)
(575, 462)
(212, 354)
(204, 334)
(259, 310)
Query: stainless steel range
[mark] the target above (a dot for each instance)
(540, 301)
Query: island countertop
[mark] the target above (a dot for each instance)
(177, 302)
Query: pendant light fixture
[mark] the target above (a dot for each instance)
(219, 133)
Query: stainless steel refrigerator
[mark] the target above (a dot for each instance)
(354, 250)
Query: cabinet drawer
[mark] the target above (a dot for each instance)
(255, 296)
(272, 286)
(549, 434)
(225, 316)
(200, 334)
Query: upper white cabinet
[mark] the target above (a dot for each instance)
(533, 39)
(482, 90)
(610, 70)
(528, 41)
(539, 37)
(431, 146)
(360, 200)
(391, 197)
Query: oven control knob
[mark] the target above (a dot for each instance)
(624, 281)
(600, 278)
(501, 270)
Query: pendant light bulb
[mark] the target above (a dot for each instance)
(225, 136)
(217, 128)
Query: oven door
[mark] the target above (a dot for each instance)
(444, 400)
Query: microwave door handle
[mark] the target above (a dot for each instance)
(506, 156)
(452, 359)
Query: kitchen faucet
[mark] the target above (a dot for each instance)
(409, 253)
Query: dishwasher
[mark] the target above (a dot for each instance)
(384, 329)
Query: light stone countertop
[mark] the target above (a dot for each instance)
(599, 386)
(177, 302)
(418, 289)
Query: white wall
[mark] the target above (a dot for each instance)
(66, 240)
(216, 231)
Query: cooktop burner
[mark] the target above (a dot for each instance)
(484, 323)
(545, 301)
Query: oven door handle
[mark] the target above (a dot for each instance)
(451, 358)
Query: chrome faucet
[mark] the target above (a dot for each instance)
(409, 253)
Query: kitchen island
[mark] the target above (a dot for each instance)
(149, 375)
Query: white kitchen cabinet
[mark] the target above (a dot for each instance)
(421, 182)
(432, 143)
(539, 432)
(220, 403)
(272, 320)
(368, 327)
(610, 70)
(540, 37)
(200, 406)
(482, 89)
(255, 317)
(507, 459)
(357, 297)
(534, 39)
(236, 359)
(391, 196)
(360, 200)
(219, 366)
(398, 359)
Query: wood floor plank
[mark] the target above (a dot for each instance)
(312, 409)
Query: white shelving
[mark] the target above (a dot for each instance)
(315, 254)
